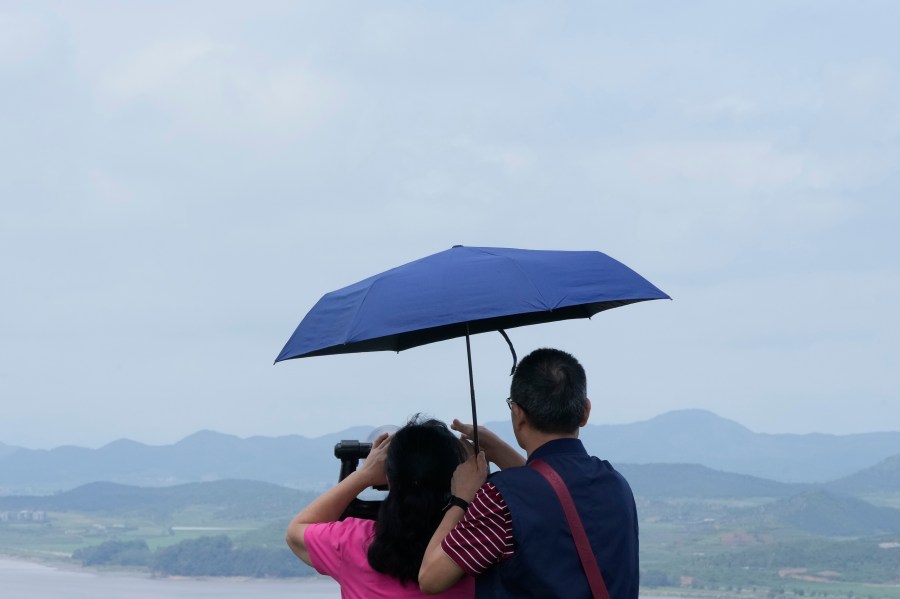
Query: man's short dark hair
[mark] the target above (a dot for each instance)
(551, 387)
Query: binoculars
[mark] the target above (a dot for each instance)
(350, 452)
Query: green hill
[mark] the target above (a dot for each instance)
(225, 499)
(820, 512)
(692, 480)
(883, 477)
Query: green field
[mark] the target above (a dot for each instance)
(722, 548)
(64, 532)
(756, 547)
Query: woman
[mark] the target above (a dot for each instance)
(382, 558)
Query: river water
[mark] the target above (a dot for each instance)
(21, 579)
(28, 580)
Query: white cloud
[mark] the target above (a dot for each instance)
(733, 106)
(24, 39)
(218, 89)
(739, 166)
(511, 159)
(154, 69)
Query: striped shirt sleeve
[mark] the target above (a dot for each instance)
(484, 536)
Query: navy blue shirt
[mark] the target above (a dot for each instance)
(545, 563)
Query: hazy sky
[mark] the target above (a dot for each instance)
(181, 181)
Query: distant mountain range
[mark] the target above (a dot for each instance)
(5, 450)
(291, 461)
(797, 509)
(703, 452)
(701, 437)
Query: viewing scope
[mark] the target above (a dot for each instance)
(350, 452)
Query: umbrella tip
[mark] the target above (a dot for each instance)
(456, 246)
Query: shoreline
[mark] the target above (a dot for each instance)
(51, 579)
(63, 564)
(32, 565)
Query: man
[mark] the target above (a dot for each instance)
(511, 532)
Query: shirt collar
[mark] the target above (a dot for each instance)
(558, 447)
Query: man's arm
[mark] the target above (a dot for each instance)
(495, 449)
(438, 572)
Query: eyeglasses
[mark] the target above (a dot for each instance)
(510, 401)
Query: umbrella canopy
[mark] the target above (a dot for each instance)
(463, 291)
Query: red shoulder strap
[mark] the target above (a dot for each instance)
(588, 561)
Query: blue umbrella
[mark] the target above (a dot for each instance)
(461, 292)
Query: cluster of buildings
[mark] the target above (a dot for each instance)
(24, 516)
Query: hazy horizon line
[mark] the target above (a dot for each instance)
(374, 426)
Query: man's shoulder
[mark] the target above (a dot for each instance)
(508, 480)
(514, 473)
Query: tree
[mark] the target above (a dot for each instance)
(115, 553)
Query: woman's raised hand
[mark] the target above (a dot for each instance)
(374, 466)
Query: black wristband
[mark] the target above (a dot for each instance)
(458, 502)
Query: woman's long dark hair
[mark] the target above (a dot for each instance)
(420, 462)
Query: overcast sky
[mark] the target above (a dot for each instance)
(181, 181)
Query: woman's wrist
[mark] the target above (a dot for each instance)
(361, 479)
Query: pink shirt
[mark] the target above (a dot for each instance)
(338, 549)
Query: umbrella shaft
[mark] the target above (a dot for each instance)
(472, 391)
